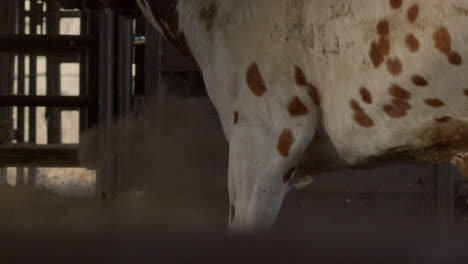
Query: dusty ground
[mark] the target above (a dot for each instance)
(24, 209)
(178, 158)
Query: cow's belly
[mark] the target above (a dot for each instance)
(401, 93)
(422, 141)
(404, 99)
(426, 141)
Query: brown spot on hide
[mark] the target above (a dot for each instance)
(455, 58)
(395, 4)
(412, 43)
(301, 80)
(285, 142)
(236, 117)
(400, 104)
(394, 66)
(355, 106)
(399, 93)
(443, 119)
(434, 102)
(296, 107)
(255, 80)
(442, 40)
(208, 14)
(383, 28)
(465, 92)
(413, 13)
(299, 76)
(443, 43)
(233, 212)
(397, 109)
(360, 115)
(392, 111)
(287, 176)
(365, 95)
(376, 55)
(384, 45)
(419, 80)
(313, 92)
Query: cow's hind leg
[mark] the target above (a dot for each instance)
(461, 161)
(262, 160)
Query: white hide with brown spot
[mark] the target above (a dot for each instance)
(330, 41)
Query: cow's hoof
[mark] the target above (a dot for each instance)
(461, 161)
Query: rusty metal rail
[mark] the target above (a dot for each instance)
(47, 100)
(51, 155)
(45, 44)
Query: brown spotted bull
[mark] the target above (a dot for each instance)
(307, 86)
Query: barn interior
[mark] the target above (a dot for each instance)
(107, 134)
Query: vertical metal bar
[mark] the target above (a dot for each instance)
(83, 82)
(140, 59)
(7, 26)
(4, 73)
(93, 87)
(124, 64)
(54, 126)
(445, 194)
(84, 72)
(105, 183)
(21, 91)
(153, 67)
(32, 91)
(35, 20)
(139, 84)
(124, 87)
(93, 28)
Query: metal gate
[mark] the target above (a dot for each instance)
(103, 51)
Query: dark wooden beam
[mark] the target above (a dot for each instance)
(48, 101)
(24, 155)
(45, 45)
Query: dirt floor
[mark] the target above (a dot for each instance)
(358, 245)
(177, 166)
(26, 210)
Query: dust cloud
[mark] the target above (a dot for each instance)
(173, 204)
(172, 166)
